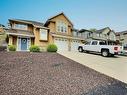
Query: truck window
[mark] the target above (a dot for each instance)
(88, 43)
(94, 43)
(102, 43)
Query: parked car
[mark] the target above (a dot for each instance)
(125, 47)
(101, 47)
(124, 52)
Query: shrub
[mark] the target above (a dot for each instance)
(3, 48)
(34, 49)
(52, 48)
(12, 48)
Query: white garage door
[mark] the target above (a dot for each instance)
(74, 45)
(61, 43)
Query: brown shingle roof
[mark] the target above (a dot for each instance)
(34, 23)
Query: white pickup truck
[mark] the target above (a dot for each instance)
(100, 47)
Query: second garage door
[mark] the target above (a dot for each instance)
(61, 43)
(74, 45)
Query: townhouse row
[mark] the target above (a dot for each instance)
(57, 29)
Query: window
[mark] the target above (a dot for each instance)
(88, 35)
(103, 43)
(125, 47)
(88, 43)
(43, 34)
(20, 26)
(94, 43)
(61, 27)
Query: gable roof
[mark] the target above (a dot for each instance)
(74, 29)
(113, 31)
(84, 30)
(123, 32)
(101, 30)
(34, 23)
(1, 25)
(110, 31)
(47, 22)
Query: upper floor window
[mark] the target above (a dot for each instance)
(43, 34)
(88, 34)
(61, 27)
(20, 26)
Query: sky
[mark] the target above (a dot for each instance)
(82, 13)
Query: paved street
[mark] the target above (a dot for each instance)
(115, 67)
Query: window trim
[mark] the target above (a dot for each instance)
(20, 26)
(61, 26)
(43, 30)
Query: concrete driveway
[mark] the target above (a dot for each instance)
(115, 67)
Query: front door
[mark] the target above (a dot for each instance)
(23, 43)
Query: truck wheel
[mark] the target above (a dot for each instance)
(80, 49)
(87, 51)
(112, 55)
(105, 53)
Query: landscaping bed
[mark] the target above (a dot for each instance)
(25, 73)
